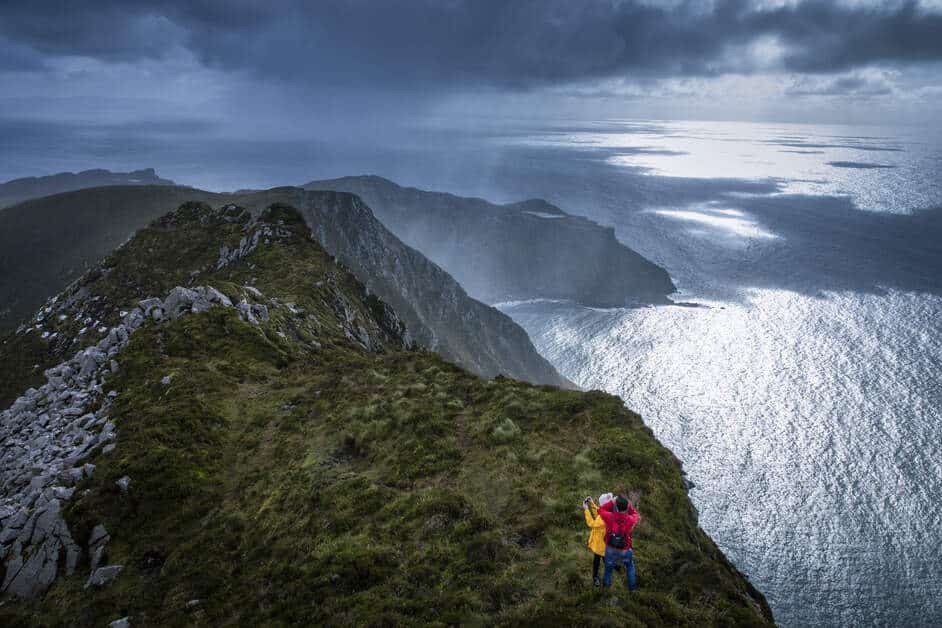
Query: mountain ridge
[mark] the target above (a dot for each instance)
(18, 190)
(259, 445)
(45, 243)
(516, 251)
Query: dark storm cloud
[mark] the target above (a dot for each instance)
(522, 43)
(841, 86)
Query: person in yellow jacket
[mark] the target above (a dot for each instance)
(597, 532)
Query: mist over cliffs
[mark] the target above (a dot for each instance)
(465, 250)
(525, 250)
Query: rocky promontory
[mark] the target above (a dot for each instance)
(526, 250)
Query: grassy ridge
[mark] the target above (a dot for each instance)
(287, 476)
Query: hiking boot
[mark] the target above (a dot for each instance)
(596, 581)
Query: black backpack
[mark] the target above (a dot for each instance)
(618, 540)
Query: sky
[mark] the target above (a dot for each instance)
(126, 77)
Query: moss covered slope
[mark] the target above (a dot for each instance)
(312, 470)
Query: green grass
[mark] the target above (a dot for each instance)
(286, 483)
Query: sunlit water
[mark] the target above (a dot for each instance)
(809, 426)
(804, 392)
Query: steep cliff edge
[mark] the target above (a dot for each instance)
(436, 309)
(234, 432)
(48, 242)
(525, 250)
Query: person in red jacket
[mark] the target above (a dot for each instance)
(620, 518)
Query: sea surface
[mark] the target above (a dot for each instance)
(801, 380)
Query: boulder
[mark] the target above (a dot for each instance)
(179, 301)
(103, 576)
(96, 545)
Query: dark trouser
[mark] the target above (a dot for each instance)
(596, 561)
(613, 557)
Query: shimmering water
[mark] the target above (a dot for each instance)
(803, 391)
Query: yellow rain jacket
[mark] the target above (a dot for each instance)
(597, 527)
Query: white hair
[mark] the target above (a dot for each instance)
(604, 498)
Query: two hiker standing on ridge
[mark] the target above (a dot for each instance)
(610, 536)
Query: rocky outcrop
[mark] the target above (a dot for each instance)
(264, 233)
(19, 190)
(49, 432)
(526, 250)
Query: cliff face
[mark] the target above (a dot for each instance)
(48, 242)
(18, 190)
(525, 250)
(435, 308)
(231, 430)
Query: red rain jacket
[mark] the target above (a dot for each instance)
(619, 521)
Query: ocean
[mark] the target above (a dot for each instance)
(800, 378)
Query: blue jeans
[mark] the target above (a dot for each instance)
(613, 557)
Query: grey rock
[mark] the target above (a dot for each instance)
(123, 483)
(96, 557)
(8, 534)
(165, 380)
(96, 545)
(260, 311)
(179, 301)
(87, 363)
(124, 622)
(34, 576)
(47, 433)
(99, 535)
(76, 474)
(135, 319)
(103, 576)
(50, 540)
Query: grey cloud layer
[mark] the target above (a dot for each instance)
(460, 42)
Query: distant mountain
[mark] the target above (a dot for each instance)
(525, 250)
(47, 243)
(229, 429)
(18, 190)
